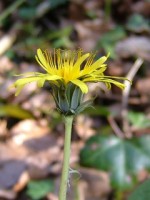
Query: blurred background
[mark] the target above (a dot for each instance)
(110, 142)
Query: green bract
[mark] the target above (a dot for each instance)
(69, 100)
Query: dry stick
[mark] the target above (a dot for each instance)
(125, 96)
(118, 132)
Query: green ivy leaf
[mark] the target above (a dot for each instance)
(142, 192)
(137, 23)
(39, 189)
(123, 158)
(138, 120)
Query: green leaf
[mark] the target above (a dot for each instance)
(57, 3)
(137, 23)
(39, 189)
(109, 39)
(138, 120)
(61, 38)
(142, 192)
(123, 158)
(97, 110)
(64, 32)
(14, 111)
(27, 13)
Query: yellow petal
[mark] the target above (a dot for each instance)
(91, 79)
(37, 59)
(28, 74)
(40, 83)
(118, 84)
(98, 63)
(41, 57)
(24, 81)
(44, 62)
(117, 77)
(81, 85)
(91, 72)
(76, 66)
(19, 88)
(53, 77)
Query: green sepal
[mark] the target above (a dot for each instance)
(69, 91)
(76, 98)
(83, 106)
(63, 102)
(69, 99)
(54, 93)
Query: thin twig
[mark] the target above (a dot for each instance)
(118, 132)
(125, 96)
(42, 9)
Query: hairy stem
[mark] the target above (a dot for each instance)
(65, 169)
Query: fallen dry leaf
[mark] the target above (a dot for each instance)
(52, 196)
(10, 172)
(22, 182)
(88, 32)
(3, 129)
(7, 194)
(134, 46)
(28, 129)
(40, 103)
(84, 127)
(142, 7)
(95, 184)
(6, 65)
(143, 82)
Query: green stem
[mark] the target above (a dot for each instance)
(65, 169)
(11, 9)
(107, 9)
(118, 195)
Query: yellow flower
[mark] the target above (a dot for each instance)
(66, 66)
